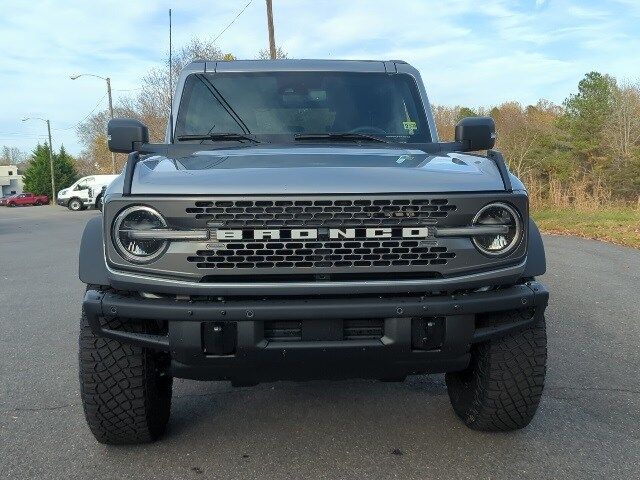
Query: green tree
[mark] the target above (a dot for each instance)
(465, 112)
(37, 176)
(586, 114)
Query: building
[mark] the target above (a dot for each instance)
(10, 181)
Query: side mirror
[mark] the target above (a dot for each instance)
(476, 133)
(125, 135)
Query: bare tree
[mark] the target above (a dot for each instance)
(151, 105)
(521, 129)
(621, 132)
(264, 54)
(13, 156)
(446, 118)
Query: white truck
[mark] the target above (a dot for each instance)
(85, 193)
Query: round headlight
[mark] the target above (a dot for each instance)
(499, 243)
(132, 220)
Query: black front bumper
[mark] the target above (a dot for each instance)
(63, 202)
(227, 340)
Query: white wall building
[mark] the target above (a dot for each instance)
(10, 181)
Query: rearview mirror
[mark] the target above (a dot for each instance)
(476, 133)
(125, 135)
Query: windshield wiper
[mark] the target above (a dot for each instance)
(339, 136)
(223, 103)
(219, 137)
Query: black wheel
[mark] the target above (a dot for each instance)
(501, 388)
(99, 203)
(75, 204)
(125, 393)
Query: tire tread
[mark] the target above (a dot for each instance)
(501, 389)
(125, 398)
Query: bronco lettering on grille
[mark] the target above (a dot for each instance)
(315, 233)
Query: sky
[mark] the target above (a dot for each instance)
(469, 52)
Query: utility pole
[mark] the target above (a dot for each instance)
(272, 37)
(108, 80)
(53, 180)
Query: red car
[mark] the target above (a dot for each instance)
(22, 199)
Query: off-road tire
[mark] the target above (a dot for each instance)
(501, 388)
(125, 395)
(75, 205)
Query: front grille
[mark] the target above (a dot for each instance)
(363, 329)
(283, 331)
(331, 330)
(237, 252)
(329, 213)
(322, 254)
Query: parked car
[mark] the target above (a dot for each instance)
(318, 230)
(85, 193)
(22, 199)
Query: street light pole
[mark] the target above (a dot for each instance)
(108, 80)
(53, 180)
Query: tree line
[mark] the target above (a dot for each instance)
(584, 153)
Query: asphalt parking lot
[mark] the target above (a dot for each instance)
(587, 425)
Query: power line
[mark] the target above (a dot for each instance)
(18, 134)
(232, 21)
(85, 117)
(26, 137)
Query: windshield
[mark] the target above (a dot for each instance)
(278, 106)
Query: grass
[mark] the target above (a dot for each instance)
(615, 225)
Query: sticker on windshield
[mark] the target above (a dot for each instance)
(410, 126)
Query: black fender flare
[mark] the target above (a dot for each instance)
(536, 259)
(91, 264)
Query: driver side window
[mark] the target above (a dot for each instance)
(82, 185)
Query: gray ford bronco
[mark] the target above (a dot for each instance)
(302, 220)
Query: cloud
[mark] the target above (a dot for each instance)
(469, 52)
